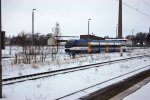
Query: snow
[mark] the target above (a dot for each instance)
(54, 87)
(141, 94)
(63, 61)
(50, 88)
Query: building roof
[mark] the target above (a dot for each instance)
(93, 37)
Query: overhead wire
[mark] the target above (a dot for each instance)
(138, 4)
(148, 4)
(136, 9)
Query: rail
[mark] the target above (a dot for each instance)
(18, 79)
(102, 82)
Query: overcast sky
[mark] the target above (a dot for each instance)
(73, 16)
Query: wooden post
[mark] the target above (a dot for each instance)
(89, 47)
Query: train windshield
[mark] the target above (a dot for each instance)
(69, 43)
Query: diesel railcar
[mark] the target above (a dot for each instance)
(94, 46)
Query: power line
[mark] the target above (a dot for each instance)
(135, 9)
(138, 4)
(146, 3)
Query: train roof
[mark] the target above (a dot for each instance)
(118, 39)
(89, 40)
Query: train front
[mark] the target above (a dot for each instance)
(69, 45)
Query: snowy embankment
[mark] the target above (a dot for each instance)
(62, 61)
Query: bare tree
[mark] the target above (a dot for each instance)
(57, 35)
(148, 39)
(141, 37)
(23, 40)
(30, 54)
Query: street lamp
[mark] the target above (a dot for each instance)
(116, 31)
(88, 26)
(33, 26)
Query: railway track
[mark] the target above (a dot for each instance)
(18, 79)
(112, 90)
(109, 91)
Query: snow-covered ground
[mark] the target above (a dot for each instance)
(63, 61)
(141, 94)
(50, 88)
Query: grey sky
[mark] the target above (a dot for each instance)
(73, 16)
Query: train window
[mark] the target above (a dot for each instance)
(84, 44)
(69, 43)
(123, 43)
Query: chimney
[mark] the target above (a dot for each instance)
(120, 20)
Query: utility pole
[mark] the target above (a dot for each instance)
(0, 53)
(120, 20)
(33, 26)
(88, 28)
(116, 31)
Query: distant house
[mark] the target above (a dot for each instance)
(129, 42)
(7, 41)
(51, 41)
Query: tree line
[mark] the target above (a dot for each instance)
(24, 38)
(140, 38)
(34, 47)
(27, 39)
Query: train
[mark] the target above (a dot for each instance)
(94, 46)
